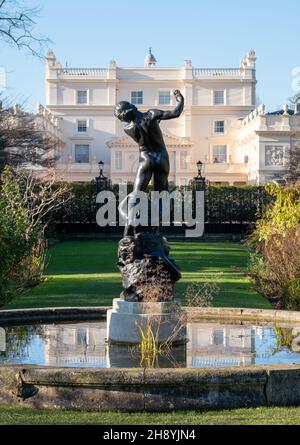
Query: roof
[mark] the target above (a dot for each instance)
(280, 112)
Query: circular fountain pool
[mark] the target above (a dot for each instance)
(211, 344)
(234, 358)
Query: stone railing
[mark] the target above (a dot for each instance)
(82, 72)
(257, 112)
(216, 72)
(46, 120)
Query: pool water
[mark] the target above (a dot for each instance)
(211, 344)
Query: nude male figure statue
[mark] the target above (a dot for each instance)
(144, 129)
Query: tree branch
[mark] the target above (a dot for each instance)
(17, 25)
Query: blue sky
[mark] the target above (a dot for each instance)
(217, 33)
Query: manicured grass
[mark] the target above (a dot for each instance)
(10, 415)
(85, 274)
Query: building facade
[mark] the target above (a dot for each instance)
(221, 126)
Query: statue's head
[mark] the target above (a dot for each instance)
(125, 111)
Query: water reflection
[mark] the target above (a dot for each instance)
(220, 346)
(210, 345)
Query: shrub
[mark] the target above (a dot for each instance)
(276, 240)
(290, 296)
(283, 254)
(15, 241)
(25, 202)
(282, 215)
(262, 276)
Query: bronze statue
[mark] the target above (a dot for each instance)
(144, 129)
(143, 256)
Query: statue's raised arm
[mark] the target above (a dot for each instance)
(171, 114)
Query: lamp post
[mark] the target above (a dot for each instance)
(102, 182)
(101, 167)
(199, 182)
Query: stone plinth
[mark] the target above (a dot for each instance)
(126, 319)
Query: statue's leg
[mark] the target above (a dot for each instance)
(142, 180)
(161, 172)
(160, 181)
(160, 178)
(144, 173)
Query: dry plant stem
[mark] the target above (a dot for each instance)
(197, 294)
(201, 294)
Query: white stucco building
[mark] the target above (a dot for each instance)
(220, 126)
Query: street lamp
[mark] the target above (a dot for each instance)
(102, 182)
(199, 167)
(101, 167)
(199, 181)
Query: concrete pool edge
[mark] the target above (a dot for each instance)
(150, 390)
(137, 389)
(99, 312)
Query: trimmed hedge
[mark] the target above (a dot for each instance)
(234, 204)
(223, 205)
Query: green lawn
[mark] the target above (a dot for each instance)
(85, 274)
(246, 416)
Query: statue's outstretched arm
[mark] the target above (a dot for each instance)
(172, 114)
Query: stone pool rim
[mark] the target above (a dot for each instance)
(99, 312)
(152, 390)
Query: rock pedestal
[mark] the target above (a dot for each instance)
(126, 320)
(148, 272)
(149, 276)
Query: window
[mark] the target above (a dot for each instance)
(82, 97)
(82, 126)
(164, 98)
(137, 97)
(274, 155)
(219, 126)
(183, 160)
(118, 160)
(81, 337)
(82, 153)
(218, 337)
(219, 153)
(219, 97)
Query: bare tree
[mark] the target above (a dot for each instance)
(41, 197)
(17, 27)
(25, 139)
(295, 100)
